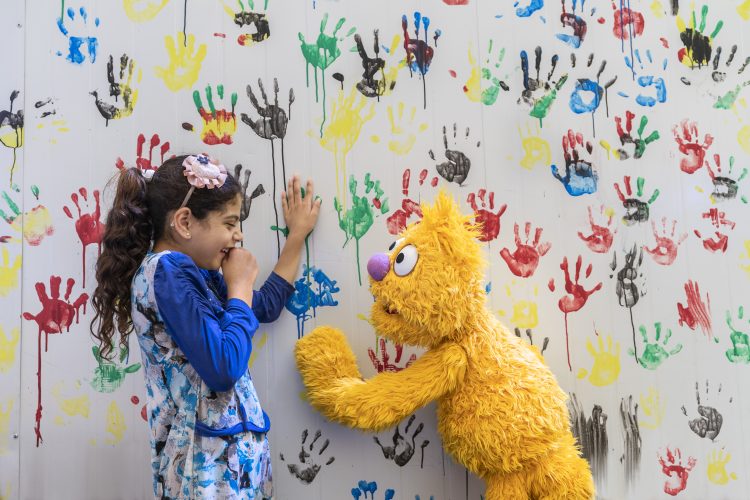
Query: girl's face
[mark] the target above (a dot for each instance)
(213, 236)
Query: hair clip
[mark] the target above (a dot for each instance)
(202, 172)
(148, 175)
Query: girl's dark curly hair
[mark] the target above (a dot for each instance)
(138, 218)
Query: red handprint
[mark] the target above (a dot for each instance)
(718, 219)
(142, 162)
(600, 239)
(55, 316)
(525, 259)
(396, 222)
(576, 298)
(694, 152)
(577, 294)
(665, 251)
(676, 471)
(88, 226)
(714, 244)
(696, 312)
(627, 23)
(488, 220)
(384, 363)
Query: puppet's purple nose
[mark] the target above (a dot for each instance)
(378, 266)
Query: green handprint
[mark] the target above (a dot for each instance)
(740, 350)
(108, 376)
(321, 54)
(653, 353)
(356, 221)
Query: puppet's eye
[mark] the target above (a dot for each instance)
(395, 244)
(406, 260)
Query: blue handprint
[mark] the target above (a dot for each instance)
(646, 81)
(580, 177)
(305, 297)
(75, 43)
(370, 487)
(588, 86)
(533, 6)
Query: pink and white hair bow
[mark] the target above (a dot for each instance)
(202, 171)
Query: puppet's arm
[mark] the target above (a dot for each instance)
(336, 389)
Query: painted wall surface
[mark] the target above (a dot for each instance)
(604, 144)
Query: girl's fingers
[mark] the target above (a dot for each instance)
(310, 191)
(297, 190)
(284, 204)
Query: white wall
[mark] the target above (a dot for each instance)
(95, 443)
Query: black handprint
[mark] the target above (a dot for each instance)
(530, 336)
(404, 448)
(456, 169)
(539, 94)
(256, 19)
(247, 201)
(710, 421)
(117, 89)
(370, 86)
(14, 138)
(627, 290)
(271, 125)
(273, 119)
(311, 469)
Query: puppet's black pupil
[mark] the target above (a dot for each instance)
(392, 245)
(400, 258)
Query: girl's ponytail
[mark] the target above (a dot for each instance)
(127, 239)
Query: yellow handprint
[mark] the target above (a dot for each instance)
(4, 425)
(184, 65)
(8, 348)
(343, 131)
(525, 312)
(535, 149)
(257, 345)
(9, 273)
(473, 86)
(143, 10)
(606, 367)
(653, 408)
(115, 423)
(717, 472)
(402, 129)
(744, 10)
(746, 257)
(71, 406)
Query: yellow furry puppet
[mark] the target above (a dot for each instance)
(500, 410)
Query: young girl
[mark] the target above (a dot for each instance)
(166, 239)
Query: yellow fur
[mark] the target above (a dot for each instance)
(501, 412)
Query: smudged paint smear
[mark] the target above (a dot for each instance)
(631, 458)
(696, 312)
(9, 273)
(6, 410)
(591, 434)
(115, 424)
(138, 12)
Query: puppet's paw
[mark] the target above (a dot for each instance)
(323, 357)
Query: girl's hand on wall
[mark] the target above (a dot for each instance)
(300, 211)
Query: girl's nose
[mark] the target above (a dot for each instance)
(378, 266)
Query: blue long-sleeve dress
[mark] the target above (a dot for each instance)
(208, 429)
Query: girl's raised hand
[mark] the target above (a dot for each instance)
(300, 213)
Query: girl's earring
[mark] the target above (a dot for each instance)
(188, 235)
